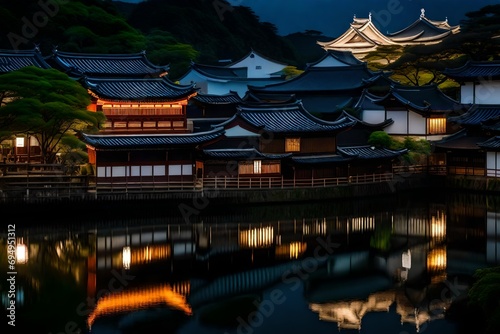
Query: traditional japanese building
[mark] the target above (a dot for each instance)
(420, 111)
(328, 85)
(479, 81)
(140, 105)
(286, 140)
(363, 36)
(133, 65)
(471, 150)
(253, 69)
(146, 161)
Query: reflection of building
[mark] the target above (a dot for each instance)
(130, 300)
(348, 314)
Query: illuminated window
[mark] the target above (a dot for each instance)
(292, 145)
(257, 167)
(437, 125)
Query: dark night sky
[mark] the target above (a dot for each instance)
(332, 17)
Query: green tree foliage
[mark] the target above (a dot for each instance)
(418, 149)
(46, 104)
(381, 139)
(215, 29)
(485, 293)
(423, 64)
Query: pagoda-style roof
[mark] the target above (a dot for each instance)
(141, 89)
(138, 141)
(323, 79)
(12, 60)
(135, 65)
(474, 70)
(423, 99)
(370, 152)
(289, 118)
(229, 98)
(363, 36)
(423, 31)
(242, 154)
(477, 115)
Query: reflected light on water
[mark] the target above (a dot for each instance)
(133, 300)
(126, 257)
(21, 252)
(257, 237)
(291, 251)
(438, 226)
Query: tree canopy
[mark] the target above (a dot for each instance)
(46, 104)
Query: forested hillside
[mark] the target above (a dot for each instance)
(172, 32)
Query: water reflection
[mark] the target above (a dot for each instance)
(392, 260)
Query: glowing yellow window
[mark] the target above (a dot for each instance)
(292, 145)
(437, 125)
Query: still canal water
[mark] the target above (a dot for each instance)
(381, 265)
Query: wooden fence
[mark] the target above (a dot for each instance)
(53, 181)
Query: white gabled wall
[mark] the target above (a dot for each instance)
(258, 67)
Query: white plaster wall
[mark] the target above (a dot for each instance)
(373, 116)
(400, 125)
(253, 63)
(416, 124)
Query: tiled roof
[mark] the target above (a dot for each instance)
(106, 65)
(12, 60)
(229, 98)
(421, 30)
(287, 118)
(221, 71)
(477, 115)
(322, 79)
(370, 152)
(427, 98)
(368, 100)
(142, 89)
(492, 143)
(243, 154)
(345, 57)
(252, 53)
(268, 98)
(460, 140)
(475, 69)
(364, 124)
(137, 141)
(320, 159)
